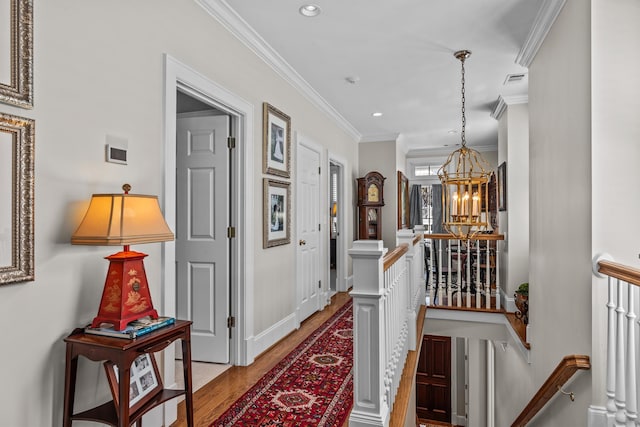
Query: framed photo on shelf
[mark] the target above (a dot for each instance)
(276, 141)
(502, 187)
(276, 213)
(144, 383)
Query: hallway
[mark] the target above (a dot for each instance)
(213, 399)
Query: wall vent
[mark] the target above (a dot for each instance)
(514, 78)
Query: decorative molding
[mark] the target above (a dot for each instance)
(384, 137)
(505, 101)
(508, 302)
(597, 416)
(229, 19)
(273, 334)
(547, 15)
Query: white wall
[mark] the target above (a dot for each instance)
(615, 151)
(98, 71)
(560, 221)
(380, 156)
(513, 142)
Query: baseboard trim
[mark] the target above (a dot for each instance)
(273, 334)
(508, 302)
(596, 416)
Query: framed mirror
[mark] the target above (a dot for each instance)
(16, 52)
(403, 201)
(16, 198)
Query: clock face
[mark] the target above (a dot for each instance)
(372, 193)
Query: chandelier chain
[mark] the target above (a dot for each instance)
(464, 119)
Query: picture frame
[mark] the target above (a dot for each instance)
(276, 141)
(16, 199)
(145, 381)
(276, 213)
(403, 201)
(16, 45)
(502, 187)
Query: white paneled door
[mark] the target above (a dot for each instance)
(202, 246)
(308, 231)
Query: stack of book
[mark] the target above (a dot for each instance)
(134, 329)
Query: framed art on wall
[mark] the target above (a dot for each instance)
(502, 187)
(276, 141)
(16, 198)
(276, 213)
(144, 381)
(403, 201)
(16, 48)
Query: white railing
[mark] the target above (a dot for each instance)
(387, 291)
(622, 348)
(464, 273)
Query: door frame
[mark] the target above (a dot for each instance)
(323, 204)
(341, 243)
(180, 76)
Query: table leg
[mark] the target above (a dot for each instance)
(186, 359)
(124, 382)
(71, 367)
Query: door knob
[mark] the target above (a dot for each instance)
(302, 242)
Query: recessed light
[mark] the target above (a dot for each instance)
(452, 131)
(352, 79)
(377, 114)
(310, 10)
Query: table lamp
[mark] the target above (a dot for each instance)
(123, 219)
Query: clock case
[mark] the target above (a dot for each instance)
(369, 206)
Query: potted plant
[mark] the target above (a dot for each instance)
(522, 302)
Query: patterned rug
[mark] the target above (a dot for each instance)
(311, 386)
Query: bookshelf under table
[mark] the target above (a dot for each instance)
(122, 352)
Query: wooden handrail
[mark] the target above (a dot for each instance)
(479, 236)
(565, 370)
(417, 239)
(620, 271)
(393, 256)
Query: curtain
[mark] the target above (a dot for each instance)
(437, 208)
(415, 206)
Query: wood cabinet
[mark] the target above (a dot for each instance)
(370, 203)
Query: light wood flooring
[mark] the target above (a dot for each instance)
(210, 401)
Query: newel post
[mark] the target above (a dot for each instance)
(370, 407)
(406, 236)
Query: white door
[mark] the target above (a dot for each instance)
(308, 231)
(202, 246)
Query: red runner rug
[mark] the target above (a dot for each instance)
(311, 386)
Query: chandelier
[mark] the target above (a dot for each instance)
(464, 177)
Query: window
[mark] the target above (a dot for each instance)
(427, 207)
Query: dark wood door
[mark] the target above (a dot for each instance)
(433, 379)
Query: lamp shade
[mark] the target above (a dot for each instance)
(122, 219)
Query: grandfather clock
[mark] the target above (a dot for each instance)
(370, 203)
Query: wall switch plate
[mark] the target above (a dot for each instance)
(116, 150)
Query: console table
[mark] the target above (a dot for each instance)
(122, 352)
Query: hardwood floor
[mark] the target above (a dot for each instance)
(214, 398)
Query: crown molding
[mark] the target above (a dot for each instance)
(504, 101)
(547, 15)
(230, 20)
(380, 137)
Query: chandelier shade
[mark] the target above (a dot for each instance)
(465, 178)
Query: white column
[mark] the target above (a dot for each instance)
(406, 236)
(620, 371)
(477, 368)
(370, 407)
(631, 404)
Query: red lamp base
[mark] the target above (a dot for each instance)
(126, 296)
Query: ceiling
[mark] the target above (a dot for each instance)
(401, 55)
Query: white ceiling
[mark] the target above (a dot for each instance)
(401, 52)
